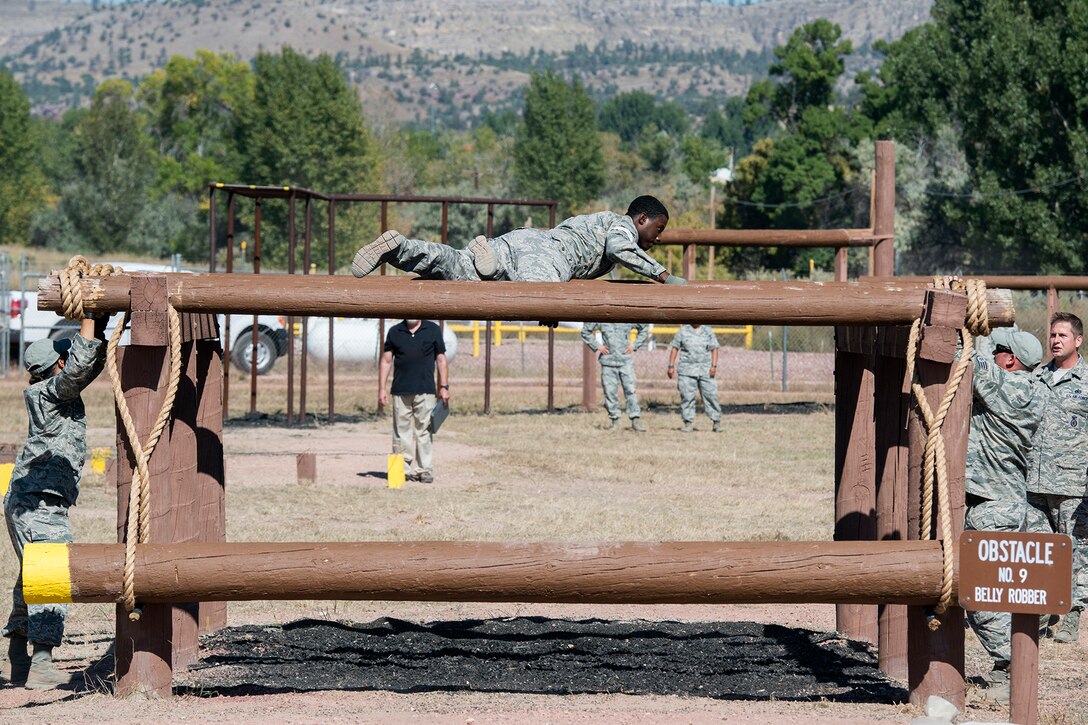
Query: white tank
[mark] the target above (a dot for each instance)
(356, 340)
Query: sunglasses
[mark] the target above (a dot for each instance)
(1002, 349)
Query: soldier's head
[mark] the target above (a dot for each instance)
(650, 217)
(1066, 335)
(46, 358)
(1015, 349)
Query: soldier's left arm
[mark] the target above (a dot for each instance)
(84, 363)
(621, 246)
(642, 337)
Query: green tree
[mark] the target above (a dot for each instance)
(115, 169)
(629, 114)
(557, 153)
(21, 184)
(305, 128)
(192, 108)
(807, 177)
(1012, 79)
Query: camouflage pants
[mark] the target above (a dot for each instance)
(994, 629)
(435, 261)
(612, 378)
(521, 254)
(412, 430)
(36, 518)
(708, 389)
(1049, 513)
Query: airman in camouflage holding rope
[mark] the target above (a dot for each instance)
(45, 484)
(1008, 406)
(1059, 461)
(615, 353)
(696, 347)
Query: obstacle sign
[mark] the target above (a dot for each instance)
(1007, 571)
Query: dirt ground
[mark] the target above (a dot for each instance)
(520, 477)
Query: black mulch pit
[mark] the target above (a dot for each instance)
(732, 660)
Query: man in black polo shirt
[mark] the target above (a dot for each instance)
(412, 349)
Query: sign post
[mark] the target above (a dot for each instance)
(1027, 575)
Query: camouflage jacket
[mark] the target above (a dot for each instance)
(1007, 409)
(595, 243)
(694, 345)
(617, 336)
(56, 442)
(1059, 461)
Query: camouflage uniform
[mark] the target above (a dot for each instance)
(617, 367)
(693, 371)
(45, 480)
(1008, 407)
(581, 247)
(1057, 468)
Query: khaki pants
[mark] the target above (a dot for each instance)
(412, 431)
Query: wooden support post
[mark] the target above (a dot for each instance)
(855, 449)
(689, 261)
(589, 379)
(935, 658)
(1053, 307)
(891, 406)
(210, 473)
(1024, 685)
(184, 506)
(883, 204)
(487, 368)
(841, 266)
(306, 467)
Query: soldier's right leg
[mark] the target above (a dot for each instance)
(687, 385)
(15, 663)
(610, 382)
(427, 259)
(41, 518)
(708, 390)
(994, 629)
(403, 434)
(1071, 514)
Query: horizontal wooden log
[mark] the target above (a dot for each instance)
(869, 572)
(769, 303)
(1016, 282)
(770, 237)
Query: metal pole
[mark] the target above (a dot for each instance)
(332, 270)
(22, 311)
(226, 318)
(785, 349)
(487, 369)
(213, 241)
(254, 330)
(381, 319)
(305, 320)
(290, 318)
(551, 369)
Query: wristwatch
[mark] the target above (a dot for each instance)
(443, 387)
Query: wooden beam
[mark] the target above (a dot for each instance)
(883, 205)
(1017, 282)
(769, 237)
(771, 303)
(616, 573)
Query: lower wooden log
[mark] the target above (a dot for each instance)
(859, 572)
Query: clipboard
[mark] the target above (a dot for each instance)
(438, 415)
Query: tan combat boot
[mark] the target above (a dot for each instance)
(44, 675)
(636, 424)
(1069, 631)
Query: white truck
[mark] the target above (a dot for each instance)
(28, 323)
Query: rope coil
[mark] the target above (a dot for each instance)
(138, 522)
(935, 462)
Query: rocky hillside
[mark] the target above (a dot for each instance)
(415, 58)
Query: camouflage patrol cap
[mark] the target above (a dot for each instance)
(1026, 347)
(42, 355)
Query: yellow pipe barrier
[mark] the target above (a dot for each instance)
(476, 327)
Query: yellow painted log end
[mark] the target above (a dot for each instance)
(5, 477)
(46, 577)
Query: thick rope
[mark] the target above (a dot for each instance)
(935, 463)
(138, 524)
